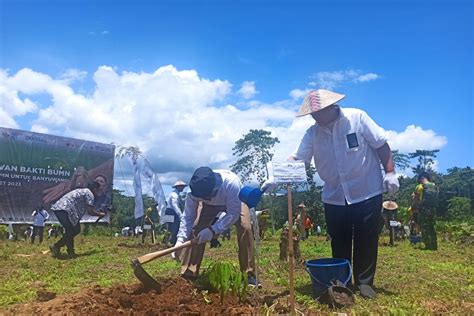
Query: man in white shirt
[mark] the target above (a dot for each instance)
(39, 217)
(348, 147)
(173, 209)
(213, 192)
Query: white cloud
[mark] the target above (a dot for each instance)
(103, 33)
(415, 137)
(333, 79)
(175, 116)
(247, 90)
(72, 74)
(367, 77)
(12, 104)
(297, 94)
(178, 119)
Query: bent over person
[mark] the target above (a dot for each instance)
(213, 192)
(69, 210)
(348, 147)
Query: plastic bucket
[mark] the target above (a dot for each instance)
(250, 196)
(322, 271)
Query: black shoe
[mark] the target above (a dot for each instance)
(189, 276)
(253, 282)
(352, 287)
(71, 255)
(54, 251)
(367, 291)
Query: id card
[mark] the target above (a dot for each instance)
(352, 141)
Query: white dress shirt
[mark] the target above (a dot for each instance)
(345, 157)
(173, 202)
(227, 196)
(39, 217)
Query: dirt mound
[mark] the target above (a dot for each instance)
(179, 297)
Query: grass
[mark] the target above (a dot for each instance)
(409, 280)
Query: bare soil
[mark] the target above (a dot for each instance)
(179, 297)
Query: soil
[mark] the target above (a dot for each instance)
(179, 297)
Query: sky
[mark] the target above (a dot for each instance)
(184, 80)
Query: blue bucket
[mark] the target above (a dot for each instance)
(250, 196)
(322, 271)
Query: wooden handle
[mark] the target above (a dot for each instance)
(153, 255)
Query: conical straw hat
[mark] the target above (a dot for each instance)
(179, 183)
(390, 205)
(317, 100)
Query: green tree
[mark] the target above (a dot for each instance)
(402, 161)
(123, 210)
(132, 151)
(425, 160)
(459, 208)
(254, 152)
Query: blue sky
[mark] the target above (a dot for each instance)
(185, 79)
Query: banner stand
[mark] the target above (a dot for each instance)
(291, 254)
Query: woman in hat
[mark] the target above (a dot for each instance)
(174, 209)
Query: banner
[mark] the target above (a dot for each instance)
(38, 169)
(287, 171)
(141, 166)
(137, 186)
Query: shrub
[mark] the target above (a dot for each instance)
(459, 208)
(462, 232)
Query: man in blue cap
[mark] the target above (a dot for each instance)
(213, 192)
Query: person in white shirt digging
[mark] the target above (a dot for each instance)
(213, 192)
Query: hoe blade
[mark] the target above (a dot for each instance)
(144, 277)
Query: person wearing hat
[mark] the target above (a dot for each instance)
(389, 215)
(173, 208)
(348, 147)
(422, 197)
(213, 192)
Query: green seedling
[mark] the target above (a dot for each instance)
(224, 277)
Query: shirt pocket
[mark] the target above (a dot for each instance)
(353, 141)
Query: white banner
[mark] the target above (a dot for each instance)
(137, 186)
(287, 172)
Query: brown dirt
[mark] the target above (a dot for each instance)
(179, 297)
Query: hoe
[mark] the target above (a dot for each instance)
(143, 276)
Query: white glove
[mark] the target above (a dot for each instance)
(269, 186)
(390, 183)
(175, 255)
(204, 236)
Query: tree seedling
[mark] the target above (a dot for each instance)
(225, 277)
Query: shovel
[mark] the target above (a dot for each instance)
(143, 276)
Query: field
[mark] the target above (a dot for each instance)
(100, 280)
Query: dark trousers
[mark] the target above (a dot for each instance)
(427, 226)
(173, 227)
(70, 231)
(37, 231)
(358, 223)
